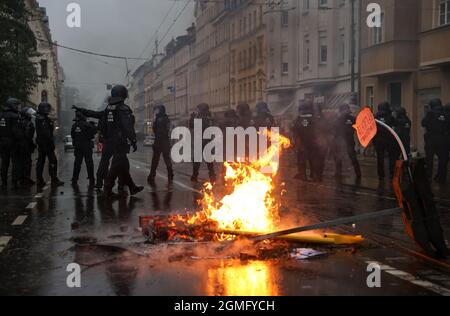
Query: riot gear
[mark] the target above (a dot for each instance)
(403, 129)
(384, 141)
(119, 94)
(12, 104)
(161, 129)
(262, 107)
(26, 146)
(437, 125)
(83, 134)
(46, 145)
(263, 116)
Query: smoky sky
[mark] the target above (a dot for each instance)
(113, 27)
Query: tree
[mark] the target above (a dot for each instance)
(18, 74)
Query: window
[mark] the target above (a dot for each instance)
(306, 5)
(444, 12)
(323, 3)
(395, 94)
(285, 18)
(44, 68)
(342, 48)
(44, 96)
(306, 54)
(284, 60)
(378, 32)
(323, 49)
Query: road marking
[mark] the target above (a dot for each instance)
(4, 240)
(412, 279)
(45, 188)
(1, 249)
(38, 196)
(31, 206)
(20, 220)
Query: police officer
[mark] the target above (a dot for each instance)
(403, 129)
(83, 134)
(46, 145)
(161, 129)
(9, 121)
(117, 127)
(384, 141)
(263, 116)
(305, 140)
(436, 124)
(25, 143)
(204, 115)
(344, 140)
(244, 115)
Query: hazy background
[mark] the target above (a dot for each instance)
(113, 27)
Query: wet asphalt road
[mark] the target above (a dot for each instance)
(40, 234)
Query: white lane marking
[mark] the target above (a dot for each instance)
(38, 196)
(4, 240)
(20, 220)
(412, 279)
(1, 249)
(159, 175)
(31, 206)
(45, 188)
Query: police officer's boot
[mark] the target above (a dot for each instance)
(136, 189)
(99, 184)
(151, 181)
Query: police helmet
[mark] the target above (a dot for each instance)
(79, 116)
(118, 94)
(44, 108)
(203, 108)
(27, 112)
(306, 107)
(262, 108)
(160, 110)
(243, 108)
(435, 103)
(12, 104)
(401, 112)
(384, 107)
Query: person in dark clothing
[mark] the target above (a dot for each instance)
(447, 115)
(344, 140)
(403, 129)
(83, 134)
(9, 121)
(107, 151)
(263, 116)
(244, 115)
(161, 129)
(117, 126)
(25, 145)
(46, 146)
(384, 141)
(204, 114)
(305, 140)
(436, 124)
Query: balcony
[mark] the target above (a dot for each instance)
(389, 58)
(435, 47)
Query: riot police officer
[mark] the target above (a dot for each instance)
(46, 145)
(436, 125)
(344, 140)
(403, 129)
(161, 129)
(9, 121)
(244, 114)
(305, 140)
(25, 143)
(83, 134)
(117, 127)
(263, 116)
(204, 115)
(384, 141)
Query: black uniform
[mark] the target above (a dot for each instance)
(403, 129)
(384, 141)
(436, 124)
(204, 115)
(161, 129)
(46, 146)
(344, 141)
(25, 146)
(9, 121)
(117, 127)
(305, 139)
(83, 134)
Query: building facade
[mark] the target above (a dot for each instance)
(50, 85)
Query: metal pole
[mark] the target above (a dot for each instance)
(353, 47)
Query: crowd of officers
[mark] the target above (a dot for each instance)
(314, 137)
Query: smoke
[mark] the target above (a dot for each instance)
(113, 27)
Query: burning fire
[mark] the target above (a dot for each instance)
(251, 205)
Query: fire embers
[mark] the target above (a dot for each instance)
(173, 229)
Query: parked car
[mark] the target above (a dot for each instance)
(149, 141)
(68, 144)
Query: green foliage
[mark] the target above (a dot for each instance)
(18, 75)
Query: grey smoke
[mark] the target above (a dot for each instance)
(116, 27)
